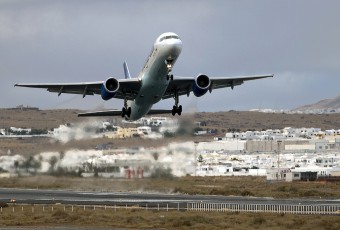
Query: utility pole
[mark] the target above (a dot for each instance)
(195, 144)
(279, 142)
(258, 167)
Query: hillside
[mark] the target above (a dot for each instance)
(38, 119)
(241, 120)
(326, 104)
(220, 121)
(246, 120)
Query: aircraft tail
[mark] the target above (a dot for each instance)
(126, 71)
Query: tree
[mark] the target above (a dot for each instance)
(200, 158)
(53, 161)
(16, 166)
(32, 164)
(155, 155)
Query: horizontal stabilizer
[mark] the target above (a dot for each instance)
(111, 113)
(159, 111)
(114, 113)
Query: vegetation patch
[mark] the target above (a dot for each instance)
(164, 181)
(153, 219)
(3, 205)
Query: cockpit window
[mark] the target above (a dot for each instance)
(168, 37)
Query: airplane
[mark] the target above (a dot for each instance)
(154, 83)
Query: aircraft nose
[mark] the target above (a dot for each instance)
(178, 45)
(175, 46)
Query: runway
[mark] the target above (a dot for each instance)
(38, 196)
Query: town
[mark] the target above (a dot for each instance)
(280, 155)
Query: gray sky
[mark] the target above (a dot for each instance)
(72, 41)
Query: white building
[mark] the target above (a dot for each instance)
(143, 130)
(326, 162)
(233, 145)
(214, 169)
(20, 130)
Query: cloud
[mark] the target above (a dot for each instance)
(72, 41)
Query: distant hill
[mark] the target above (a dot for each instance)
(326, 104)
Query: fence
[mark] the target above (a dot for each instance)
(54, 207)
(192, 206)
(272, 208)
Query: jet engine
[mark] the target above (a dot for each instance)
(201, 85)
(109, 88)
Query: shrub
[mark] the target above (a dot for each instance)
(3, 205)
(161, 172)
(281, 189)
(258, 220)
(247, 193)
(60, 214)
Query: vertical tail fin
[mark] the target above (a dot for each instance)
(126, 71)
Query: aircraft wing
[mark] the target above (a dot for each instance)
(128, 88)
(184, 85)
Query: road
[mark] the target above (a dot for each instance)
(38, 196)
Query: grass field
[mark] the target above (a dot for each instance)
(153, 219)
(227, 186)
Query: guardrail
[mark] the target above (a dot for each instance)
(272, 208)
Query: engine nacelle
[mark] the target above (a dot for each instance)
(109, 88)
(201, 85)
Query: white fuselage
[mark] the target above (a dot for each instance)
(153, 77)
